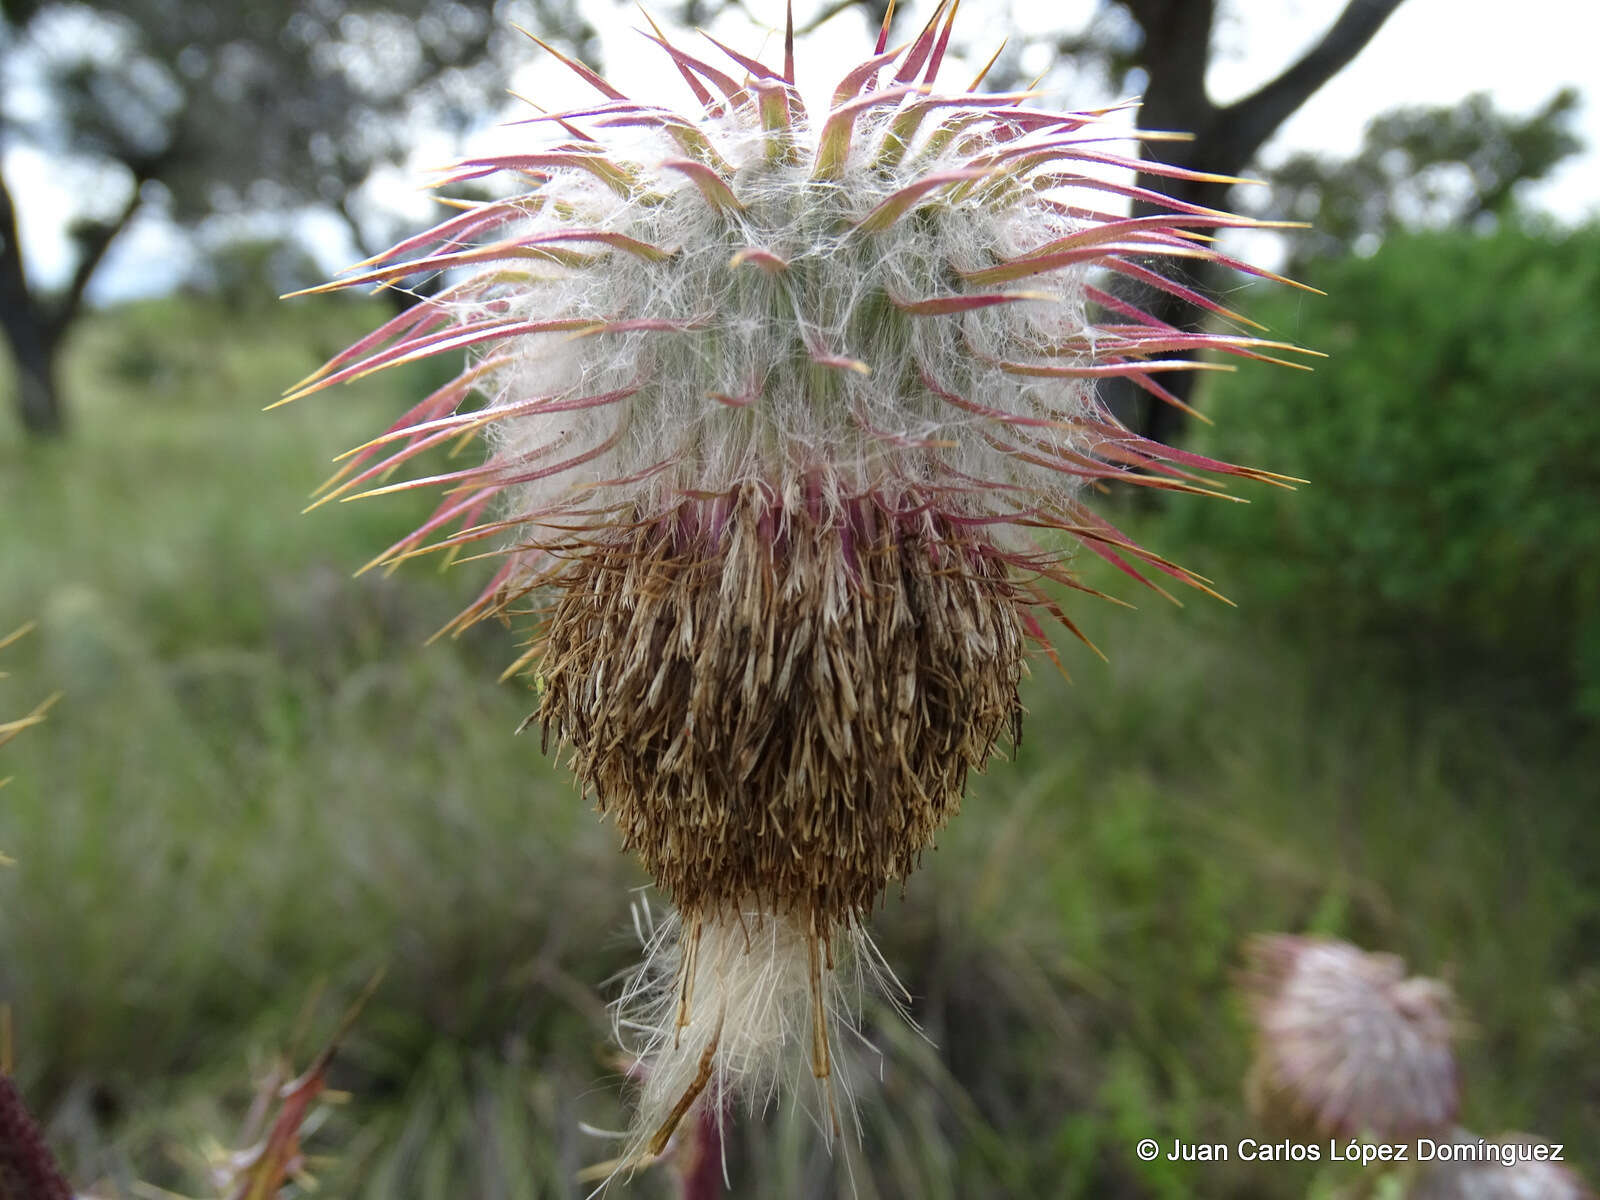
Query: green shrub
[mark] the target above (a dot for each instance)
(1452, 444)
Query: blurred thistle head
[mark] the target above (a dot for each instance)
(1346, 1043)
(789, 414)
(1515, 1175)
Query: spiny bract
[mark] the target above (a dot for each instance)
(776, 404)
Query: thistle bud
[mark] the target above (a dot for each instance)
(788, 419)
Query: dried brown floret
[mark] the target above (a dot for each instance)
(782, 707)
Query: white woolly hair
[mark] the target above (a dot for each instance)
(901, 301)
(725, 1012)
(744, 331)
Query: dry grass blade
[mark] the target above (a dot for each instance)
(261, 1172)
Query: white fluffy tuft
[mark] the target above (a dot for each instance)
(725, 1013)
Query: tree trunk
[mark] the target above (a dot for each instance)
(35, 325)
(1175, 53)
(1148, 414)
(31, 334)
(38, 396)
(34, 341)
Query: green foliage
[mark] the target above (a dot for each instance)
(1423, 167)
(259, 779)
(1452, 443)
(248, 275)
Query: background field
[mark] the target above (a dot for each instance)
(260, 786)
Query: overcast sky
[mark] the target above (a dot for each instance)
(1429, 52)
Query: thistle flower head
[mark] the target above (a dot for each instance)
(786, 413)
(1347, 1044)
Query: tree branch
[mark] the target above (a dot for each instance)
(96, 239)
(11, 265)
(92, 245)
(20, 316)
(875, 10)
(1247, 123)
(1177, 47)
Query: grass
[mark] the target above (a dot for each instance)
(260, 786)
